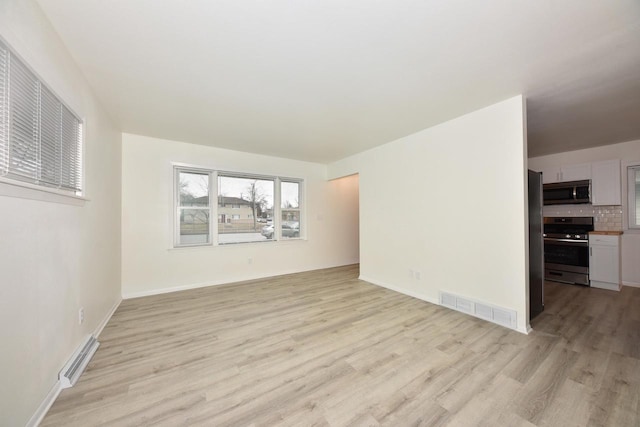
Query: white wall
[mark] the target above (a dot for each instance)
(54, 257)
(344, 197)
(449, 202)
(150, 265)
(627, 152)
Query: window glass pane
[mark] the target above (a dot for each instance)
(244, 207)
(290, 228)
(194, 226)
(194, 189)
(290, 210)
(290, 195)
(194, 208)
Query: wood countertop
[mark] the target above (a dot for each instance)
(607, 233)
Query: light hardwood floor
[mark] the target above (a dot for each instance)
(323, 348)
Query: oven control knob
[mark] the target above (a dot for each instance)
(568, 236)
(577, 236)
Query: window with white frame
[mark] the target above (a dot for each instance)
(40, 137)
(249, 208)
(193, 207)
(633, 186)
(290, 209)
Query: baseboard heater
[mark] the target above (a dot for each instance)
(70, 374)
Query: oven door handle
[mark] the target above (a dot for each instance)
(567, 242)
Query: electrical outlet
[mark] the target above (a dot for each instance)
(250, 260)
(81, 315)
(417, 274)
(411, 273)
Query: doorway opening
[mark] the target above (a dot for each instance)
(345, 215)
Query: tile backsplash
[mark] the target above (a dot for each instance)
(606, 218)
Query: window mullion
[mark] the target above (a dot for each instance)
(176, 207)
(213, 207)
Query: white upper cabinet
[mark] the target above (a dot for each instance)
(606, 186)
(576, 172)
(605, 183)
(550, 174)
(566, 173)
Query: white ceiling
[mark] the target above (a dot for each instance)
(319, 80)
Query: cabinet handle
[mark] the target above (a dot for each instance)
(590, 251)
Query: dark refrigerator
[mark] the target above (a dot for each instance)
(536, 246)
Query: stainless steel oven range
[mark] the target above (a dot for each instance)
(566, 249)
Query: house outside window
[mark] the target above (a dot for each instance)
(248, 197)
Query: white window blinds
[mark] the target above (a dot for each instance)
(4, 118)
(40, 138)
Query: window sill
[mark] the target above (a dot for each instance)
(24, 190)
(236, 245)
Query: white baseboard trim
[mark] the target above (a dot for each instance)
(423, 297)
(160, 291)
(98, 330)
(604, 285)
(420, 296)
(53, 394)
(631, 284)
(44, 407)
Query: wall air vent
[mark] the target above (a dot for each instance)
(76, 366)
(448, 300)
(499, 315)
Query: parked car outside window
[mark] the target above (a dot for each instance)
(290, 229)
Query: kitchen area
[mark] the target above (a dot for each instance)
(581, 211)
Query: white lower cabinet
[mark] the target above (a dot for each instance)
(604, 261)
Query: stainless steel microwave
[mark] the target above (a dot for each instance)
(567, 193)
